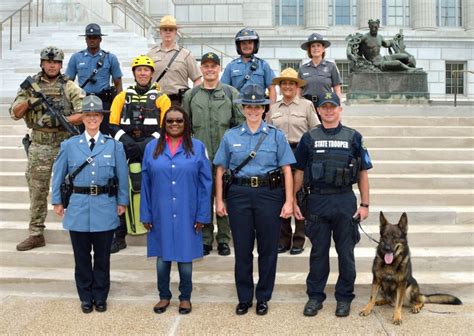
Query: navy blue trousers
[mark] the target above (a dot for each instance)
(331, 214)
(92, 279)
(255, 213)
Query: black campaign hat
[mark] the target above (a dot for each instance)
(93, 29)
(313, 38)
(252, 94)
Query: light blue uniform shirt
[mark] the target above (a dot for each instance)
(236, 70)
(83, 63)
(239, 141)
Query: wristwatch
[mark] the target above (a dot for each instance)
(364, 205)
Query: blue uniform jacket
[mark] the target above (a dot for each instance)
(87, 213)
(239, 141)
(83, 63)
(176, 193)
(236, 70)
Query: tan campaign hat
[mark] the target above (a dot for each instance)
(289, 74)
(168, 21)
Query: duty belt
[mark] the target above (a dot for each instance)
(330, 191)
(92, 190)
(254, 181)
(48, 137)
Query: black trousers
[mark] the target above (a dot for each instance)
(331, 214)
(255, 213)
(92, 278)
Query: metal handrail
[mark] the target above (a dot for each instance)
(146, 18)
(456, 85)
(10, 17)
(124, 6)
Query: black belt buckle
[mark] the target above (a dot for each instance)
(254, 181)
(94, 190)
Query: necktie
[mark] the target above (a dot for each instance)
(92, 141)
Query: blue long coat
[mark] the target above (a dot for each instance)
(87, 213)
(176, 193)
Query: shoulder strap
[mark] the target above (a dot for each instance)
(165, 70)
(73, 175)
(251, 156)
(244, 80)
(99, 64)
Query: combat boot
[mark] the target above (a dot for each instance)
(31, 242)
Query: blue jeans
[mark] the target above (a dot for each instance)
(163, 269)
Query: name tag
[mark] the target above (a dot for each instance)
(237, 145)
(82, 63)
(107, 156)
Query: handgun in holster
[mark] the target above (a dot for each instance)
(112, 184)
(274, 178)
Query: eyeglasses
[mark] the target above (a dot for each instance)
(174, 121)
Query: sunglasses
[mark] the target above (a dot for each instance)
(174, 121)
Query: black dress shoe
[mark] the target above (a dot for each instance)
(117, 245)
(206, 249)
(160, 309)
(261, 308)
(311, 307)
(184, 311)
(242, 308)
(296, 250)
(86, 307)
(343, 309)
(223, 249)
(282, 249)
(100, 306)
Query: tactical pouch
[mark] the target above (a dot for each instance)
(317, 171)
(135, 173)
(274, 178)
(66, 191)
(227, 179)
(112, 185)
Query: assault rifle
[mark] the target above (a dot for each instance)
(30, 84)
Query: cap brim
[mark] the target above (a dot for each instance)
(328, 101)
(278, 80)
(305, 45)
(93, 35)
(100, 111)
(168, 26)
(252, 102)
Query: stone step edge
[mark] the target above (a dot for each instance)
(359, 252)
(369, 228)
(140, 277)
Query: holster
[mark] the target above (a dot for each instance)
(302, 200)
(112, 183)
(66, 189)
(274, 178)
(226, 183)
(26, 141)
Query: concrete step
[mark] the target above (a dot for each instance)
(390, 120)
(215, 286)
(411, 131)
(422, 166)
(421, 142)
(433, 214)
(424, 259)
(463, 197)
(420, 234)
(409, 154)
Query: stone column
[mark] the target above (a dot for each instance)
(468, 15)
(316, 14)
(423, 14)
(368, 9)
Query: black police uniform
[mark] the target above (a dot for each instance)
(331, 160)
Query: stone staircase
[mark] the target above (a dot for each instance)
(423, 164)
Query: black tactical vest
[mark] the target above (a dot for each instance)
(331, 162)
(140, 117)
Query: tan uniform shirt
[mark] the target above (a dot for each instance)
(293, 119)
(184, 66)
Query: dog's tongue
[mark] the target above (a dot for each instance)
(388, 258)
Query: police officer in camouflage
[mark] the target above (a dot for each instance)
(47, 134)
(212, 112)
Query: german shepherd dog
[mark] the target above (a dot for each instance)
(392, 274)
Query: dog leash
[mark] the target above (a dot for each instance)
(360, 225)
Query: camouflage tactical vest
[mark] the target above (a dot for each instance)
(57, 96)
